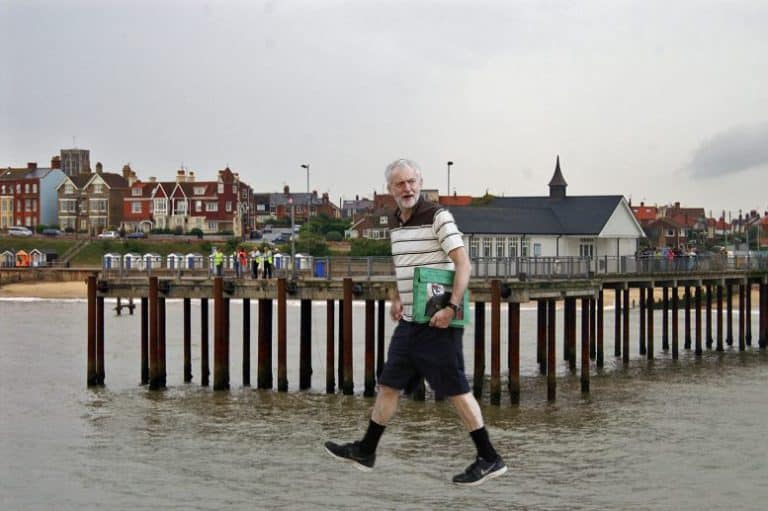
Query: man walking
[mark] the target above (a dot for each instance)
(426, 236)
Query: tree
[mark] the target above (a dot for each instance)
(363, 247)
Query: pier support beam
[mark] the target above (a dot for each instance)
(187, 321)
(729, 313)
(551, 360)
(162, 333)
(708, 318)
(205, 364)
(479, 373)
(91, 375)
(585, 346)
(381, 311)
(584, 326)
(719, 317)
(246, 342)
(144, 340)
(748, 314)
(697, 305)
(264, 376)
(100, 371)
(513, 334)
(495, 342)
(541, 335)
(348, 383)
(675, 322)
(763, 334)
(154, 370)
(650, 305)
(665, 318)
(600, 313)
(641, 321)
(617, 322)
(305, 345)
(569, 332)
(687, 316)
(592, 330)
(370, 348)
(282, 337)
(220, 360)
(742, 299)
(625, 339)
(330, 340)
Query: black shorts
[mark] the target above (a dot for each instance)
(418, 350)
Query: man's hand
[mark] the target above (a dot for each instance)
(396, 309)
(442, 318)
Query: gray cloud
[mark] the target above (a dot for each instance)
(728, 152)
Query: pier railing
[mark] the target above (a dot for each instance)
(301, 267)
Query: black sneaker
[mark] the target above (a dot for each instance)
(480, 471)
(351, 453)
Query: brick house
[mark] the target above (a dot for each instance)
(28, 195)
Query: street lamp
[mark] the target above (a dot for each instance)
(293, 241)
(449, 177)
(306, 166)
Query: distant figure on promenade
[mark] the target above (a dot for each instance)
(242, 259)
(268, 263)
(218, 260)
(426, 236)
(255, 261)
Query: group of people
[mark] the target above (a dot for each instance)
(257, 263)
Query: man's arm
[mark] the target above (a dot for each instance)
(460, 258)
(396, 307)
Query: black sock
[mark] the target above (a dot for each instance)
(483, 444)
(371, 439)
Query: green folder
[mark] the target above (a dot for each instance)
(432, 291)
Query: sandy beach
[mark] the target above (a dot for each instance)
(44, 290)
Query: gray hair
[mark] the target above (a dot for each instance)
(401, 163)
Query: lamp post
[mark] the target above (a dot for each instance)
(293, 241)
(449, 177)
(306, 166)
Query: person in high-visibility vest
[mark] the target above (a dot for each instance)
(268, 264)
(218, 260)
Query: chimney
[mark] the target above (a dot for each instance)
(191, 177)
(99, 167)
(180, 176)
(56, 162)
(32, 165)
(126, 171)
(131, 177)
(286, 190)
(557, 184)
(152, 179)
(677, 205)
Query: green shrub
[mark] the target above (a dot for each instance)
(333, 236)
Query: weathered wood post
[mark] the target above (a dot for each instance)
(592, 329)
(381, 311)
(617, 322)
(641, 320)
(305, 345)
(246, 342)
(625, 324)
(541, 335)
(330, 340)
(748, 313)
(513, 334)
(650, 306)
(687, 316)
(719, 317)
(205, 365)
(584, 324)
(100, 371)
(675, 322)
(570, 309)
(187, 307)
(479, 374)
(144, 340)
(370, 348)
(585, 347)
(227, 317)
(708, 318)
(92, 377)
(551, 360)
(495, 342)
(665, 318)
(162, 333)
(742, 299)
(220, 361)
(763, 334)
(264, 376)
(600, 313)
(282, 337)
(697, 304)
(348, 382)
(567, 320)
(154, 369)
(729, 313)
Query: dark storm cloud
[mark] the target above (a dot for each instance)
(731, 151)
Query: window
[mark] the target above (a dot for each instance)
(213, 226)
(161, 206)
(198, 205)
(34, 205)
(199, 190)
(27, 205)
(98, 188)
(211, 206)
(180, 207)
(670, 233)
(220, 188)
(586, 250)
(513, 244)
(524, 247)
(18, 187)
(474, 247)
(34, 187)
(261, 207)
(26, 187)
(69, 189)
(499, 247)
(383, 220)
(98, 205)
(487, 243)
(228, 206)
(136, 207)
(136, 192)
(537, 250)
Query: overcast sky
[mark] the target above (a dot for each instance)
(655, 100)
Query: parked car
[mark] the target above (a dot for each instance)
(52, 232)
(19, 230)
(256, 235)
(109, 235)
(283, 237)
(136, 235)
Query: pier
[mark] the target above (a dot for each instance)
(702, 290)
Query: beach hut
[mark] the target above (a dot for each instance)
(193, 261)
(36, 258)
(111, 261)
(133, 261)
(152, 261)
(174, 261)
(22, 259)
(7, 259)
(51, 256)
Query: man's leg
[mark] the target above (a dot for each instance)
(488, 463)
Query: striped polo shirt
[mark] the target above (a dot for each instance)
(423, 241)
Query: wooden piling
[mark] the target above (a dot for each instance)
(585, 348)
(144, 340)
(675, 322)
(687, 316)
(154, 371)
(551, 360)
(665, 318)
(100, 372)
(330, 339)
(340, 349)
(569, 324)
(742, 345)
(584, 324)
(641, 321)
(763, 334)
(162, 335)
(187, 328)
(513, 335)
(708, 318)
(495, 342)
(697, 307)
(220, 364)
(227, 343)
(650, 306)
(91, 374)
(541, 335)
(617, 322)
(719, 317)
(264, 377)
(748, 313)
(348, 383)
(478, 377)
(625, 325)
(729, 313)
(381, 311)
(205, 365)
(592, 329)
(282, 337)
(305, 345)
(600, 360)
(370, 348)
(246, 342)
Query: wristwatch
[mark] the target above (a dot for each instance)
(456, 308)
